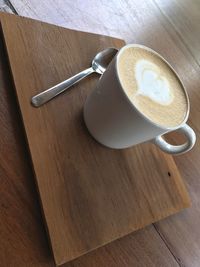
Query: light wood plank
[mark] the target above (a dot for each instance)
(5, 7)
(92, 16)
(123, 19)
(184, 16)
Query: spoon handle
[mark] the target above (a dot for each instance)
(50, 93)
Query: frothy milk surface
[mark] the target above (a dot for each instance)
(152, 86)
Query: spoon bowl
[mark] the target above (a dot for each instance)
(102, 59)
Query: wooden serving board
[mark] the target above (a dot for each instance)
(90, 194)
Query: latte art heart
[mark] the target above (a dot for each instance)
(151, 83)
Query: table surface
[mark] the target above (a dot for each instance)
(170, 27)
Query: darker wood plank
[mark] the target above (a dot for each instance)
(128, 252)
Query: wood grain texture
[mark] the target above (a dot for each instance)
(128, 252)
(171, 28)
(90, 16)
(90, 195)
(6, 6)
(184, 16)
(125, 19)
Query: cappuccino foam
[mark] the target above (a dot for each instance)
(152, 86)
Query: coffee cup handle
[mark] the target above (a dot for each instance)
(177, 149)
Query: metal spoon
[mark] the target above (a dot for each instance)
(99, 65)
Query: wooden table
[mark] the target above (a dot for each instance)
(173, 27)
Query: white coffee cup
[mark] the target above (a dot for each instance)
(114, 121)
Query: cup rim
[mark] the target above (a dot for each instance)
(130, 102)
